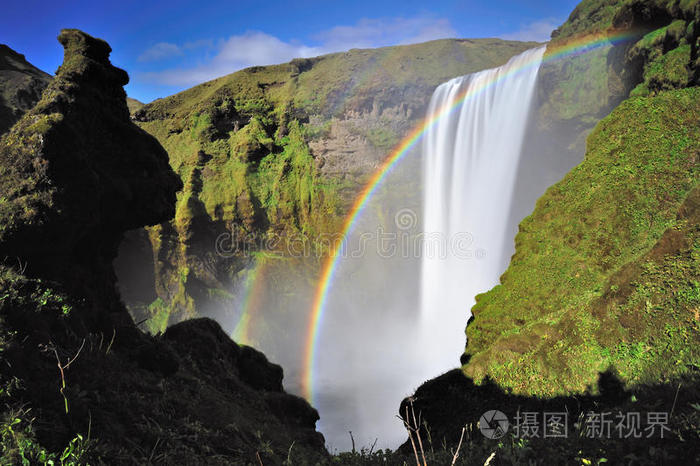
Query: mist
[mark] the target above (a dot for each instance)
(395, 313)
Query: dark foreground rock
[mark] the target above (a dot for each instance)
(591, 427)
(78, 378)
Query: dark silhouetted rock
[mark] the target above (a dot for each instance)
(75, 174)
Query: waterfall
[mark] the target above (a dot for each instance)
(470, 158)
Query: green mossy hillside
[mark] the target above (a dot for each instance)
(331, 84)
(558, 317)
(21, 85)
(257, 183)
(242, 145)
(657, 51)
(606, 269)
(592, 17)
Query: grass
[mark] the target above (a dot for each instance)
(552, 331)
(133, 399)
(20, 447)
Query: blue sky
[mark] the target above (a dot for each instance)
(170, 46)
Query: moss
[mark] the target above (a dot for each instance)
(589, 17)
(580, 86)
(382, 138)
(607, 213)
(641, 90)
(43, 123)
(593, 17)
(159, 315)
(669, 71)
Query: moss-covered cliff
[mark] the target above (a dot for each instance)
(618, 211)
(605, 272)
(277, 152)
(79, 383)
(604, 279)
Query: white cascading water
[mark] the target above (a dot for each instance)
(470, 159)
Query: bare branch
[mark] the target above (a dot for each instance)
(459, 446)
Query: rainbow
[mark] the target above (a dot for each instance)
(252, 295)
(554, 52)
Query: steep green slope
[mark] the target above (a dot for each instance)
(584, 88)
(133, 105)
(606, 268)
(602, 293)
(274, 154)
(21, 85)
(558, 318)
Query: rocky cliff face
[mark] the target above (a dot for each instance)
(75, 174)
(278, 152)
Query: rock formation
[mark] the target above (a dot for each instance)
(75, 174)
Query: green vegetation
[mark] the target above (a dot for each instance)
(559, 317)
(133, 105)
(593, 17)
(20, 447)
(18, 440)
(668, 71)
(159, 313)
(589, 17)
(358, 79)
(585, 290)
(75, 175)
(242, 146)
(606, 273)
(576, 88)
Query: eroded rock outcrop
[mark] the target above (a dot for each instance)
(75, 174)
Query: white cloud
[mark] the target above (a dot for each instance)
(259, 48)
(160, 51)
(381, 32)
(201, 43)
(537, 31)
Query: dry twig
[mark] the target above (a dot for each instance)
(459, 446)
(63, 367)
